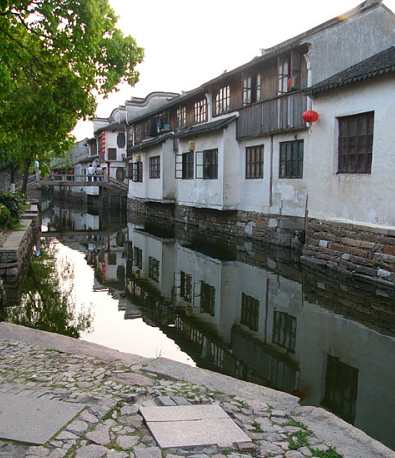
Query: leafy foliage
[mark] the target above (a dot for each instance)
(5, 216)
(15, 203)
(55, 57)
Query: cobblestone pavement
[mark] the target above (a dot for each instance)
(110, 426)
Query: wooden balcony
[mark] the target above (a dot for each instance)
(282, 114)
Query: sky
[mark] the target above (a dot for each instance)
(188, 42)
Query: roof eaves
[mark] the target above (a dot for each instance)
(205, 128)
(151, 142)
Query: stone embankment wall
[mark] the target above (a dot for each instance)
(359, 252)
(363, 252)
(286, 231)
(16, 252)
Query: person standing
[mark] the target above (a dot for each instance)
(90, 170)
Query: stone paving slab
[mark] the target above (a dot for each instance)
(200, 432)
(27, 419)
(183, 413)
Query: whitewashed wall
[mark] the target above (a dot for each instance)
(156, 189)
(221, 193)
(288, 194)
(162, 250)
(326, 333)
(360, 198)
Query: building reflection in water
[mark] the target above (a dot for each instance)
(255, 314)
(262, 319)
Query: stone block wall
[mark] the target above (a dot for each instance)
(16, 252)
(364, 252)
(279, 230)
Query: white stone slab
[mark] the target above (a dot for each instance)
(196, 432)
(183, 413)
(32, 420)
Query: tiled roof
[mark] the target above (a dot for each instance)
(377, 65)
(116, 126)
(270, 53)
(151, 142)
(205, 128)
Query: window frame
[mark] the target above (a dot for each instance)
(188, 162)
(284, 330)
(249, 312)
(254, 169)
(247, 90)
(121, 140)
(181, 116)
(138, 257)
(154, 167)
(114, 154)
(347, 142)
(222, 100)
(207, 298)
(186, 286)
(287, 171)
(200, 109)
(137, 172)
(153, 269)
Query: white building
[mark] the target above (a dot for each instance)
(352, 179)
(239, 145)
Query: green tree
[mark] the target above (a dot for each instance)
(56, 56)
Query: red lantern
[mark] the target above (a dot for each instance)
(310, 116)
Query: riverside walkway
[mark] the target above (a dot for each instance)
(69, 398)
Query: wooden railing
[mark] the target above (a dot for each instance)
(272, 116)
(77, 178)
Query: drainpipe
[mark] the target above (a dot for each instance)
(271, 172)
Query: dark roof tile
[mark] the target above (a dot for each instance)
(377, 65)
(205, 128)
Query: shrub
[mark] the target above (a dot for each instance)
(15, 202)
(5, 216)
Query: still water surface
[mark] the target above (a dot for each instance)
(247, 311)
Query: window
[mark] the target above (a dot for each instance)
(356, 143)
(200, 110)
(247, 90)
(130, 170)
(112, 259)
(187, 165)
(254, 162)
(112, 154)
(284, 331)
(153, 269)
(258, 88)
(341, 389)
(154, 167)
(181, 116)
(284, 74)
(207, 298)
(210, 164)
(249, 312)
(186, 286)
(222, 100)
(138, 257)
(121, 140)
(137, 172)
(120, 173)
(251, 90)
(291, 159)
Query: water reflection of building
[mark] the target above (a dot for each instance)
(71, 219)
(271, 326)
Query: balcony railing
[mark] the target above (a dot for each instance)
(280, 114)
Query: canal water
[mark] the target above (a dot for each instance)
(241, 309)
